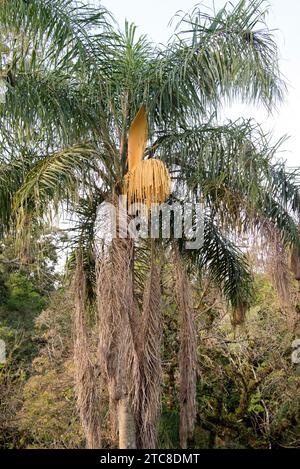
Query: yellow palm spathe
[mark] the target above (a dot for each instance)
(137, 139)
(147, 181)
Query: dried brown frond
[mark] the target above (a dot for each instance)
(116, 311)
(107, 352)
(148, 391)
(88, 400)
(295, 263)
(188, 350)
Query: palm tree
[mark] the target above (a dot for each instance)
(75, 84)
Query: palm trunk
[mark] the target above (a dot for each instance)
(127, 428)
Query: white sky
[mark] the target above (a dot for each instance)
(152, 18)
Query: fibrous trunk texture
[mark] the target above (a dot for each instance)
(187, 352)
(88, 400)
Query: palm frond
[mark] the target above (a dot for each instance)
(59, 33)
(226, 265)
(55, 178)
(229, 55)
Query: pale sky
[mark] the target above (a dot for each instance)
(152, 18)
